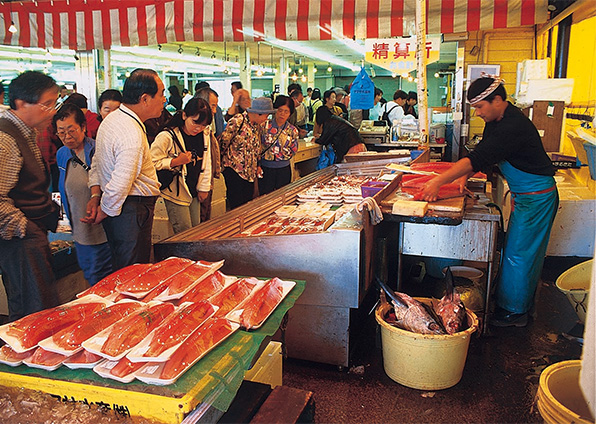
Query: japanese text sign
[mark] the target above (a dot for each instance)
(398, 55)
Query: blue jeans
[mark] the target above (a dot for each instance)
(183, 217)
(95, 261)
(129, 234)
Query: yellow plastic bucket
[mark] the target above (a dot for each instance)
(421, 361)
(559, 397)
(575, 283)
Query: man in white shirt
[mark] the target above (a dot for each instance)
(123, 181)
(395, 108)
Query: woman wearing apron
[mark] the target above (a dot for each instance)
(511, 141)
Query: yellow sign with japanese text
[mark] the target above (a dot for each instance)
(398, 55)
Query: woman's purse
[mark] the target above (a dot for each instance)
(167, 176)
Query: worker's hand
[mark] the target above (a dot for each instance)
(92, 208)
(430, 191)
(202, 195)
(462, 181)
(181, 159)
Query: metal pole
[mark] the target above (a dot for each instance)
(421, 67)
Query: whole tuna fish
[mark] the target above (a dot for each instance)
(410, 314)
(450, 309)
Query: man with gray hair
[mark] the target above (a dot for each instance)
(27, 211)
(123, 181)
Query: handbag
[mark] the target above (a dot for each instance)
(167, 176)
(327, 157)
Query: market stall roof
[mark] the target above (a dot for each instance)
(100, 24)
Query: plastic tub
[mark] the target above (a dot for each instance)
(371, 188)
(435, 266)
(421, 361)
(559, 397)
(468, 272)
(575, 283)
(591, 151)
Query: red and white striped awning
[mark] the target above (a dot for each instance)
(99, 24)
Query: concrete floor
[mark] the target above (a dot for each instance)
(499, 381)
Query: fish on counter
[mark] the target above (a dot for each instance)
(45, 358)
(84, 357)
(205, 289)
(107, 285)
(179, 326)
(178, 284)
(450, 309)
(32, 329)
(130, 330)
(125, 367)
(231, 296)
(71, 337)
(143, 283)
(261, 303)
(211, 333)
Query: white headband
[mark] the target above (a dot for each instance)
(492, 87)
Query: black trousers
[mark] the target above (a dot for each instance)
(129, 234)
(274, 178)
(27, 273)
(239, 191)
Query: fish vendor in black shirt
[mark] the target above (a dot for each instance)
(511, 141)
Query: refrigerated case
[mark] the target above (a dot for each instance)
(336, 264)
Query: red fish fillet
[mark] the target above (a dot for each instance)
(154, 276)
(108, 285)
(129, 331)
(261, 303)
(31, 331)
(84, 357)
(181, 281)
(438, 167)
(205, 289)
(125, 367)
(208, 335)
(71, 337)
(11, 356)
(231, 296)
(178, 326)
(46, 358)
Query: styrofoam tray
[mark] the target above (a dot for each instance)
(136, 354)
(95, 343)
(166, 296)
(139, 294)
(16, 345)
(50, 345)
(31, 364)
(104, 369)
(150, 373)
(235, 314)
(9, 359)
(81, 365)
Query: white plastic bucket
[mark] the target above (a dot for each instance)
(424, 361)
(467, 272)
(575, 283)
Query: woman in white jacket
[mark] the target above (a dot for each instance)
(184, 147)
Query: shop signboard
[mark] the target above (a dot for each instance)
(398, 55)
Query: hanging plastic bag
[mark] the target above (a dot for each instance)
(327, 157)
(362, 92)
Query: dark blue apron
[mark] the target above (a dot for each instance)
(534, 205)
